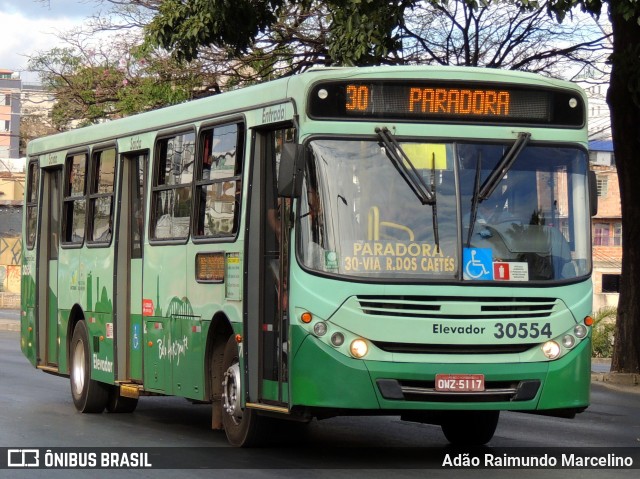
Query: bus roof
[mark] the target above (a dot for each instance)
(275, 91)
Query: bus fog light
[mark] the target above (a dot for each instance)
(568, 341)
(551, 349)
(359, 348)
(337, 339)
(580, 331)
(320, 329)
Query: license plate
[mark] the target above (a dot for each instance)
(459, 382)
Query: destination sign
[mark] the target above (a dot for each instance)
(461, 102)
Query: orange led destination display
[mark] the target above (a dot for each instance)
(460, 102)
(440, 100)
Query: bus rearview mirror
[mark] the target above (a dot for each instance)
(290, 172)
(593, 193)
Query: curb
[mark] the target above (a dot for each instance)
(624, 381)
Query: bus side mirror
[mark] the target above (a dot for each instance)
(593, 193)
(291, 168)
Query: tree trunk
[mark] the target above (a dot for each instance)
(624, 103)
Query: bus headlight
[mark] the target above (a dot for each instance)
(359, 348)
(320, 328)
(580, 331)
(337, 339)
(568, 341)
(551, 349)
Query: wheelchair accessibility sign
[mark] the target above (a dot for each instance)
(478, 263)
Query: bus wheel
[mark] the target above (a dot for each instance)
(89, 396)
(243, 427)
(470, 428)
(118, 403)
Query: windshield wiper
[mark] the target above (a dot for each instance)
(475, 199)
(503, 166)
(400, 160)
(481, 193)
(425, 193)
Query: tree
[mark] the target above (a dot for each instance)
(106, 71)
(623, 98)
(498, 34)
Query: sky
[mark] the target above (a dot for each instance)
(29, 26)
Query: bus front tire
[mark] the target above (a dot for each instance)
(243, 427)
(89, 396)
(470, 428)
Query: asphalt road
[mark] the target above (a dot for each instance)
(36, 411)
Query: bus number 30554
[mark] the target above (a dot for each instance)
(522, 330)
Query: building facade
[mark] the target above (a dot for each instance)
(606, 227)
(10, 87)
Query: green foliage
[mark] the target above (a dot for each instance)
(602, 333)
(185, 26)
(363, 31)
(89, 89)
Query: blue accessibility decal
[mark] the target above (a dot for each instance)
(478, 263)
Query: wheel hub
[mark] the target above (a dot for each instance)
(231, 393)
(77, 368)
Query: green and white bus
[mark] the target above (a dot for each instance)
(408, 241)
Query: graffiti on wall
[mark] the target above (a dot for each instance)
(10, 259)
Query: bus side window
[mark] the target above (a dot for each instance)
(75, 203)
(171, 202)
(218, 181)
(33, 184)
(101, 196)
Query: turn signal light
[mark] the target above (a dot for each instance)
(588, 320)
(306, 317)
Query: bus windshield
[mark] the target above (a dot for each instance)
(359, 217)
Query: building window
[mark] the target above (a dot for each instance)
(7, 99)
(6, 125)
(603, 186)
(601, 234)
(617, 234)
(610, 283)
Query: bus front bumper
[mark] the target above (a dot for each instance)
(323, 377)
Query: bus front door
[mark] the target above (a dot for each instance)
(47, 280)
(266, 324)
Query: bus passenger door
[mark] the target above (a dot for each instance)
(128, 274)
(267, 247)
(47, 281)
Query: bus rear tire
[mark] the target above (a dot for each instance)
(89, 396)
(118, 403)
(470, 428)
(243, 427)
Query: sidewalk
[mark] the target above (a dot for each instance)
(600, 368)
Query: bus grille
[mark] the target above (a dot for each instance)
(457, 307)
(409, 348)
